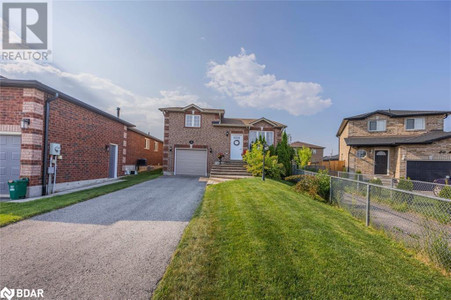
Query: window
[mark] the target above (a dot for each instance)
(147, 144)
(192, 120)
(361, 153)
(267, 135)
(415, 124)
(377, 125)
(155, 146)
(313, 151)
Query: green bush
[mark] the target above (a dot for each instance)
(375, 190)
(308, 184)
(323, 184)
(406, 185)
(445, 192)
(285, 153)
(303, 156)
(254, 162)
(318, 186)
(376, 180)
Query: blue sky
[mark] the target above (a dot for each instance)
(336, 59)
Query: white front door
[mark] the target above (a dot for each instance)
(236, 146)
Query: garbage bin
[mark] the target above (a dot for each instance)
(18, 188)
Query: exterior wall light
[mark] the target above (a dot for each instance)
(211, 150)
(227, 133)
(25, 123)
(170, 149)
(107, 148)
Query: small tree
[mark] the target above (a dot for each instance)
(303, 156)
(254, 162)
(285, 153)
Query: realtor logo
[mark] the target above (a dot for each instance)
(26, 30)
(7, 293)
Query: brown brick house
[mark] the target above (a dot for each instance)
(399, 143)
(143, 145)
(94, 144)
(194, 136)
(317, 151)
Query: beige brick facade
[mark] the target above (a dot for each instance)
(398, 154)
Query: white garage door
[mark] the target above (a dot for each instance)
(9, 161)
(191, 162)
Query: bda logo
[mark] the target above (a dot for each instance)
(7, 293)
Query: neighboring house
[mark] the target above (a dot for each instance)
(317, 151)
(331, 158)
(399, 143)
(94, 143)
(194, 136)
(143, 145)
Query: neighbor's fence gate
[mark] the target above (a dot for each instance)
(418, 220)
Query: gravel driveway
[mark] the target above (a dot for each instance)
(116, 246)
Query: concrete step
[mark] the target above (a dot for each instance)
(230, 169)
(228, 172)
(230, 176)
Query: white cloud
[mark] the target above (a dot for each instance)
(243, 79)
(104, 94)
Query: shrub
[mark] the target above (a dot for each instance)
(406, 185)
(293, 178)
(254, 161)
(445, 192)
(376, 180)
(308, 184)
(377, 191)
(323, 184)
(285, 153)
(303, 156)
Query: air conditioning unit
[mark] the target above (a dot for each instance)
(55, 149)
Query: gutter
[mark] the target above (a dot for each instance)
(46, 141)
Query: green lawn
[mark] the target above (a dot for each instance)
(13, 212)
(254, 239)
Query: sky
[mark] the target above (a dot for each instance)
(305, 64)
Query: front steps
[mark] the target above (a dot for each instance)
(230, 170)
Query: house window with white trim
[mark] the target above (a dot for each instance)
(377, 125)
(147, 144)
(415, 124)
(155, 146)
(192, 120)
(267, 135)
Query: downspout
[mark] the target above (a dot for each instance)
(349, 152)
(46, 141)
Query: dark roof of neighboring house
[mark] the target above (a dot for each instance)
(45, 88)
(204, 110)
(329, 158)
(145, 134)
(302, 144)
(426, 138)
(393, 114)
(236, 122)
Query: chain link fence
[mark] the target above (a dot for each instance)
(422, 222)
(422, 187)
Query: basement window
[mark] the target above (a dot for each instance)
(192, 120)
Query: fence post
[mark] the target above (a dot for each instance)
(330, 189)
(368, 205)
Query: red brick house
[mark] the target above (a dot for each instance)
(317, 151)
(143, 145)
(194, 136)
(94, 144)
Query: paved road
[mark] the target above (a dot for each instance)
(115, 246)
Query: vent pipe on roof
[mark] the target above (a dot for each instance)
(118, 112)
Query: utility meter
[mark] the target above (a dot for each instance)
(55, 149)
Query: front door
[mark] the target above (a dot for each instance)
(236, 146)
(381, 162)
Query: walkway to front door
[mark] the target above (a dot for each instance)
(236, 146)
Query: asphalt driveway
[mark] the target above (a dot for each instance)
(114, 246)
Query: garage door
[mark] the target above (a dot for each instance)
(191, 162)
(428, 170)
(9, 161)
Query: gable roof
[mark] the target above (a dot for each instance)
(298, 144)
(145, 134)
(4, 82)
(185, 108)
(426, 138)
(393, 114)
(239, 122)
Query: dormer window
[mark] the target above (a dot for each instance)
(377, 125)
(415, 124)
(192, 120)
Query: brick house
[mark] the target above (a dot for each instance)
(398, 143)
(143, 145)
(317, 151)
(194, 136)
(94, 144)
